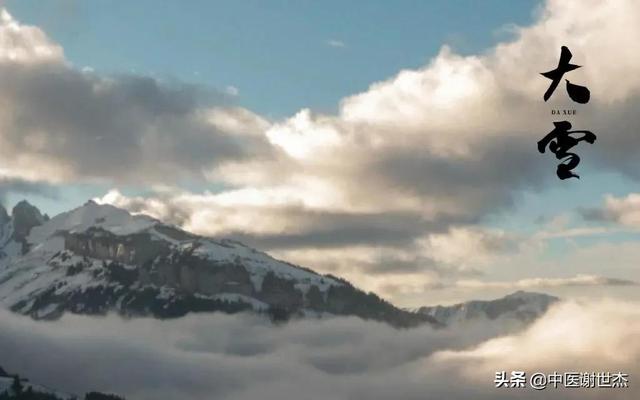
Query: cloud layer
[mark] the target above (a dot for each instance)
(537, 283)
(339, 358)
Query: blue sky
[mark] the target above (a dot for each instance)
(275, 52)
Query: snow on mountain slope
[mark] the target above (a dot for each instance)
(519, 307)
(105, 216)
(98, 258)
(47, 239)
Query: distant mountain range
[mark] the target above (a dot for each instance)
(520, 306)
(98, 259)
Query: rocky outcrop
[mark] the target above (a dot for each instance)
(190, 274)
(101, 244)
(280, 293)
(25, 217)
(4, 217)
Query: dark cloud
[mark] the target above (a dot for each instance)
(308, 228)
(595, 214)
(323, 229)
(610, 282)
(123, 128)
(485, 182)
(23, 187)
(388, 264)
(618, 145)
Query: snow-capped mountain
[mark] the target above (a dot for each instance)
(98, 258)
(522, 307)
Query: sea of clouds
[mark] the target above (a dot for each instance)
(245, 357)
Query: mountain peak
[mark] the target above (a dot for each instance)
(23, 203)
(524, 295)
(91, 214)
(518, 306)
(25, 217)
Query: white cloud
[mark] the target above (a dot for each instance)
(304, 135)
(232, 90)
(336, 43)
(622, 210)
(469, 246)
(25, 44)
(594, 337)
